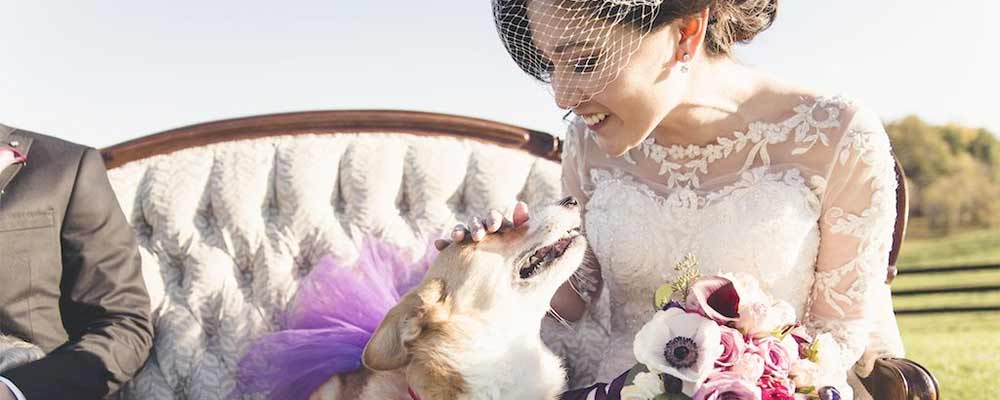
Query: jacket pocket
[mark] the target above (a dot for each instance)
(30, 264)
(20, 221)
(15, 296)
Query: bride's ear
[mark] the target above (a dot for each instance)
(692, 33)
(388, 348)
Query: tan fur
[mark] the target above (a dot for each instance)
(466, 299)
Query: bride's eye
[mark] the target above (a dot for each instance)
(586, 64)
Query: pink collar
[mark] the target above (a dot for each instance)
(413, 395)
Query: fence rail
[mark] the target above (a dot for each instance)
(944, 310)
(958, 268)
(930, 292)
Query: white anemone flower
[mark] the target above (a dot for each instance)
(680, 344)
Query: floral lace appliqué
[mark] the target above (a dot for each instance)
(683, 165)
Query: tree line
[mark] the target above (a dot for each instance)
(953, 173)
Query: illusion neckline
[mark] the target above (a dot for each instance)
(679, 151)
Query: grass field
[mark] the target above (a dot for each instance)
(962, 350)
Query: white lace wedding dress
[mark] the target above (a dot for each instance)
(806, 204)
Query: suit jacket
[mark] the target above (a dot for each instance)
(70, 278)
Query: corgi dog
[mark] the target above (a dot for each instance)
(471, 329)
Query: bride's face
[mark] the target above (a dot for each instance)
(597, 79)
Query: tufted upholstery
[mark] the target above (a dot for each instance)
(226, 230)
(231, 214)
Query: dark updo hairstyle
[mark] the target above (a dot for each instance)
(729, 22)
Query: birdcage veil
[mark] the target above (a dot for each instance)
(575, 47)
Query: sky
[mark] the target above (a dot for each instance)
(100, 72)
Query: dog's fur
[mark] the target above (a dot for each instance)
(14, 353)
(470, 330)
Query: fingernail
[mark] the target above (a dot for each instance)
(478, 235)
(494, 221)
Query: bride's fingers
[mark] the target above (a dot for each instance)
(441, 244)
(494, 221)
(506, 225)
(478, 230)
(520, 215)
(459, 233)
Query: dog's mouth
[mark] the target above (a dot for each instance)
(545, 256)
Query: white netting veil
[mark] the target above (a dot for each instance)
(576, 47)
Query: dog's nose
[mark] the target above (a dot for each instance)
(568, 202)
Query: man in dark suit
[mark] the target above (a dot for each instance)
(70, 278)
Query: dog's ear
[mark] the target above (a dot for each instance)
(387, 349)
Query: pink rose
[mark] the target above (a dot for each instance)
(777, 360)
(715, 298)
(727, 386)
(776, 389)
(733, 347)
(750, 367)
(776, 394)
(760, 319)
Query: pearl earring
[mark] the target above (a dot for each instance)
(684, 60)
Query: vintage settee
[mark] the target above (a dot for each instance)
(231, 214)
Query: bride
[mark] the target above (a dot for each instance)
(678, 148)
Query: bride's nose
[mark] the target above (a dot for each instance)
(566, 92)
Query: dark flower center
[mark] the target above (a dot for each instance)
(681, 352)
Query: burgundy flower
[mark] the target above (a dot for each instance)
(714, 297)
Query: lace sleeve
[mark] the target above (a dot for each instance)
(587, 280)
(856, 226)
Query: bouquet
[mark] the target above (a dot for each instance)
(721, 338)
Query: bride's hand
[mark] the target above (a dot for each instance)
(494, 222)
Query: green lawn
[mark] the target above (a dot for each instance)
(971, 247)
(962, 350)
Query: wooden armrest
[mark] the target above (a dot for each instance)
(901, 379)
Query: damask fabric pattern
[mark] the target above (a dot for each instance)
(226, 231)
(805, 203)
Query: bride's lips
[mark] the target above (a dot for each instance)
(596, 121)
(599, 125)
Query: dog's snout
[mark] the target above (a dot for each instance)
(568, 202)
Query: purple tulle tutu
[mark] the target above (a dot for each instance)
(336, 311)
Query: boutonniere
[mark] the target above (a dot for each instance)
(11, 156)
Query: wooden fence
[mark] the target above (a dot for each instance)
(944, 273)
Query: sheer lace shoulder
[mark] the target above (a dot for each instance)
(859, 213)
